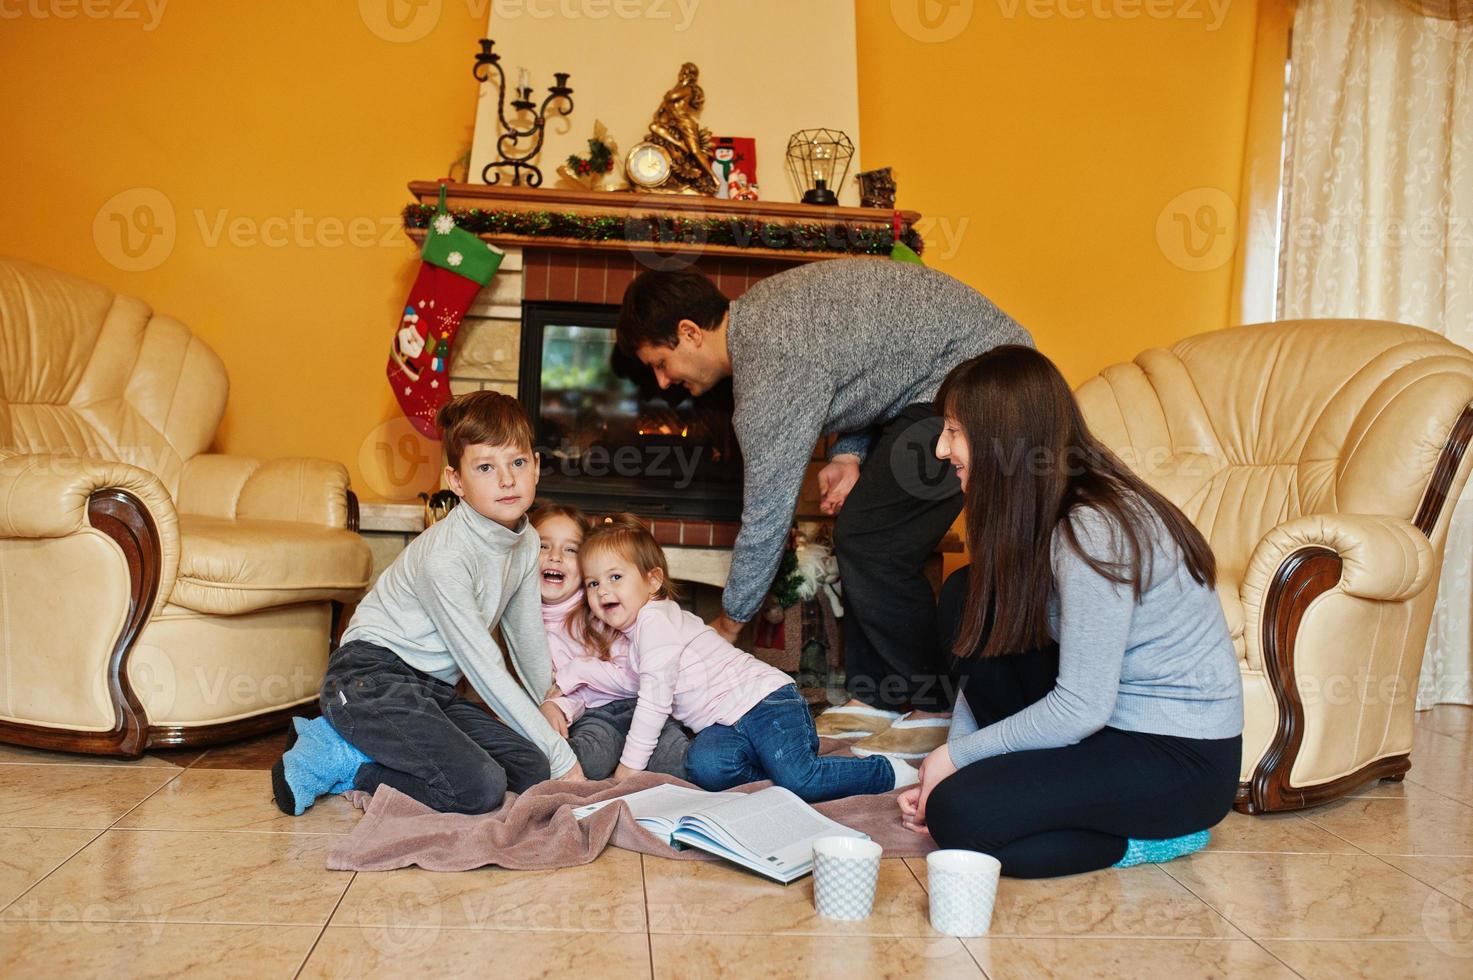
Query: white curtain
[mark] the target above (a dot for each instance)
(1378, 215)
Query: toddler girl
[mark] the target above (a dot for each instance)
(593, 698)
(750, 721)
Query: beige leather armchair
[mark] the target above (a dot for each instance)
(1321, 458)
(150, 594)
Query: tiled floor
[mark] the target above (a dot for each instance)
(179, 864)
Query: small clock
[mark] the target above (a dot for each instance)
(647, 165)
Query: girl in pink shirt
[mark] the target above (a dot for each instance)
(750, 721)
(593, 697)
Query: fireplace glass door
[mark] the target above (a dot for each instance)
(610, 439)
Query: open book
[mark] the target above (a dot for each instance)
(770, 831)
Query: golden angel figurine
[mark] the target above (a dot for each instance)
(676, 128)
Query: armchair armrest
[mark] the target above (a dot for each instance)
(48, 496)
(305, 491)
(76, 510)
(1385, 558)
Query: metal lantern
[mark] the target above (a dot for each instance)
(819, 159)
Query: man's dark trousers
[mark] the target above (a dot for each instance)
(897, 513)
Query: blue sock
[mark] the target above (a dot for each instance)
(1157, 851)
(321, 761)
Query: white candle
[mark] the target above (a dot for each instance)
(524, 79)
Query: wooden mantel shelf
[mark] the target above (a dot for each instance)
(626, 205)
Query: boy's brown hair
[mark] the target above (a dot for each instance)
(482, 417)
(626, 536)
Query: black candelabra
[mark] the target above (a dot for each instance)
(509, 149)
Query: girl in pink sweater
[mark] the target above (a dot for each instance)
(593, 697)
(750, 721)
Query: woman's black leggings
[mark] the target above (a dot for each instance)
(1064, 811)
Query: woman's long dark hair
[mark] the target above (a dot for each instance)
(1033, 461)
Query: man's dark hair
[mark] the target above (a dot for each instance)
(656, 302)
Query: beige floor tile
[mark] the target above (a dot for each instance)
(1327, 960)
(1419, 824)
(1312, 896)
(715, 898)
(1382, 789)
(1450, 875)
(117, 949)
(28, 854)
(1444, 763)
(799, 957)
(607, 895)
(1448, 719)
(78, 797)
(1136, 959)
(1140, 902)
(167, 759)
(355, 953)
(1274, 832)
(258, 753)
(155, 875)
(222, 799)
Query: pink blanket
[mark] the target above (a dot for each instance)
(536, 829)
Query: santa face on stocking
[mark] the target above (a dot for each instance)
(408, 344)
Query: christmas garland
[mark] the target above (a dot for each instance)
(795, 236)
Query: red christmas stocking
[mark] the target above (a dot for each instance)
(455, 266)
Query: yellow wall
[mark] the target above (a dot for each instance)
(1045, 147)
(1047, 139)
(282, 134)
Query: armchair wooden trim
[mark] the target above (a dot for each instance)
(124, 518)
(1303, 577)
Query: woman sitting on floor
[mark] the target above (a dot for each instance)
(1099, 713)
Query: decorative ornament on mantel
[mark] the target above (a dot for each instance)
(876, 188)
(677, 132)
(589, 172)
(819, 159)
(509, 149)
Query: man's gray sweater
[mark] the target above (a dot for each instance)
(835, 346)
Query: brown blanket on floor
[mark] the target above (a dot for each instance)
(536, 829)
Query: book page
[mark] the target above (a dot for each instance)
(774, 823)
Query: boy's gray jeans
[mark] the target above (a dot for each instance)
(598, 737)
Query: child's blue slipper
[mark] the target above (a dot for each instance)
(317, 761)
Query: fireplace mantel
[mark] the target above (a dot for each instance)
(873, 223)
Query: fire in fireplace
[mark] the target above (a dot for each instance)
(610, 439)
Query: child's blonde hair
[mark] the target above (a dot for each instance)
(626, 536)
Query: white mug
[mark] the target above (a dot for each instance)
(845, 871)
(963, 889)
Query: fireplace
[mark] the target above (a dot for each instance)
(609, 438)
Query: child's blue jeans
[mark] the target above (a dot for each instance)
(776, 740)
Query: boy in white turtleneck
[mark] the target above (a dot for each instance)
(391, 714)
(595, 696)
